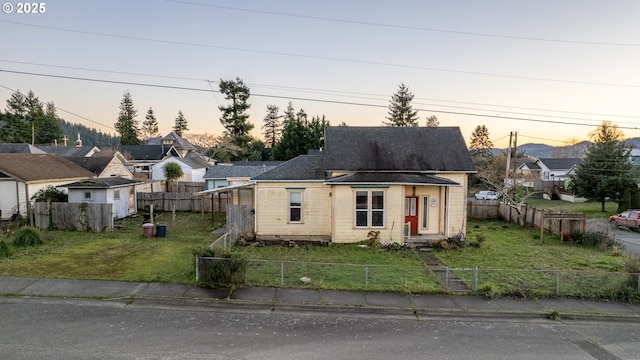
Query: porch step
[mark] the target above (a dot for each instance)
(424, 241)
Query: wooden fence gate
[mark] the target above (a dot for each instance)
(242, 218)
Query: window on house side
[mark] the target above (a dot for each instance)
(87, 195)
(116, 194)
(295, 206)
(369, 208)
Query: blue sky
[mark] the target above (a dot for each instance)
(550, 70)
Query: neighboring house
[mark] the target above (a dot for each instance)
(23, 175)
(182, 146)
(12, 148)
(232, 178)
(193, 169)
(70, 151)
(400, 181)
(119, 192)
(140, 158)
(102, 166)
(545, 173)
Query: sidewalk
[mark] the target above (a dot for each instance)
(281, 299)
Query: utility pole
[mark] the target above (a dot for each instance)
(506, 177)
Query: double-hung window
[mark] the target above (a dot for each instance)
(295, 206)
(369, 208)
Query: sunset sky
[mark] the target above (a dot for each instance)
(550, 70)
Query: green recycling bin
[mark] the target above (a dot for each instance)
(161, 230)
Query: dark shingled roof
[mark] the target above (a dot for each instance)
(14, 148)
(67, 151)
(102, 183)
(303, 167)
(94, 164)
(240, 169)
(145, 152)
(390, 148)
(560, 164)
(391, 178)
(176, 140)
(32, 167)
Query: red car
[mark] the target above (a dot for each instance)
(629, 219)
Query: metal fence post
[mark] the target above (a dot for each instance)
(366, 276)
(475, 279)
(446, 277)
(281, 273)
(197, 272)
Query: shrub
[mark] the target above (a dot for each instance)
(226, 269)
(5, 250)
(27, 236)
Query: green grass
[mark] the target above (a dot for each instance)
(339, 266)
(513, 260)
(526, 265)
(590, 208)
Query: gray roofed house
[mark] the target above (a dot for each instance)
(542, 173)
(14, 148)
(182, 146)
(407, 184)
(140, 158)
(389, 148)
(23, 175)
(103, 166)
(70, 151)
(222, 175)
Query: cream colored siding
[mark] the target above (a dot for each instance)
(344, 229)
(272, 209)
(457, 206)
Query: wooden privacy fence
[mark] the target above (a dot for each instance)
(241, 217)
(554, 223)
(76, 216)
(181, 201)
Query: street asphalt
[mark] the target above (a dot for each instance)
(283, 299)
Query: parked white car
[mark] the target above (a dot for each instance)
(487, 195)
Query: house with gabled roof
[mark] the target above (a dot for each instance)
(544, 173)
(399, 182)
(18, 148)
(103, 166)
(193, 168)
(140, 158)
(182, 145)
(23, 175)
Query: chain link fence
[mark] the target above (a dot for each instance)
(422, 279)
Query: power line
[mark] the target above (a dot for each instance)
(368, 96)
(329, 58)
(309, 99)
(405, 27)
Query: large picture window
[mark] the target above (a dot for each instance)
(295, 206)
(369, 208)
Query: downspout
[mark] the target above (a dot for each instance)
(255, 207)
(447, 211)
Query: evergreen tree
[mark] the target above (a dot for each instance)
(50, 130)
(299, 135)
(480, 143)
(14, 128)
(401, 112)
(127, 124)
(16, 104)
(150, 125)
(272, 126)
(605, 172)
(432, 121)
(180, 124)
(234, 116)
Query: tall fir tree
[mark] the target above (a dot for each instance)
(50, 131)
(299, 135)
(481, 144)
(272, 126)
(401, 112)
(234, 116)
(127, 124)
(605, 172)
(180, 125)
(150, 125)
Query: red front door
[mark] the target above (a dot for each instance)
(411, 213)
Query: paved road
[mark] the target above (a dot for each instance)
(630, 239)
(84, 329)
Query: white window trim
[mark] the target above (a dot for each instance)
(289, 192)
(369, 210)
